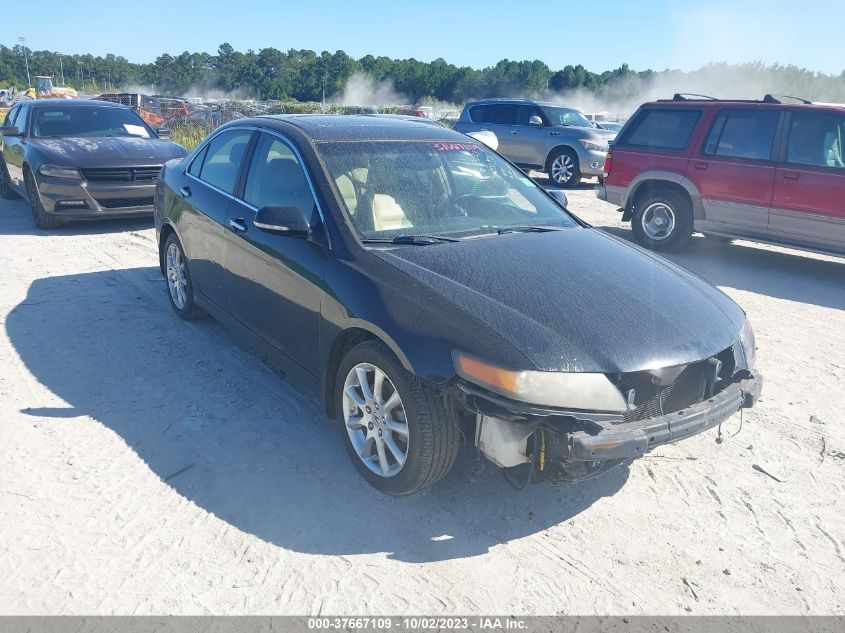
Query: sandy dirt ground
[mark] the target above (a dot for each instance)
(149, 465)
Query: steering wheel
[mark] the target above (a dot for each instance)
(454, 204)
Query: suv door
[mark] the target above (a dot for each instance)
(210, 183)
(528, 143)
(810, 180)
(273, 282)
(500, 119)
(734, 170)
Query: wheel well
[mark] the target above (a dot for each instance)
(651, 186)
(345, 341)
(557, 149)
(166, 231)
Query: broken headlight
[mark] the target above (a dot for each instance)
(748, 345)
(586, 391)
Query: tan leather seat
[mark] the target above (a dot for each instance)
(387, 215)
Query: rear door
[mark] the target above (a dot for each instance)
(273, 282)
(734, 170)
(206, 192)
(499, 118)
(810, 180)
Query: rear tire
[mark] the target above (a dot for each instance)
(563, 168)
(6, 190)
(42, 219)
(419, 440)
(662, 220)
(177, 278)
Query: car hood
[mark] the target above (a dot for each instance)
(577, 299)
(106, 151)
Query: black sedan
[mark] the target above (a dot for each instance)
(432, 294)
(80, 159)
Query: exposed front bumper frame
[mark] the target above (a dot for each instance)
(634, 439)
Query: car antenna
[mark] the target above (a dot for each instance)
(769, 98)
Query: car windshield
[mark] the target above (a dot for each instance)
(393, 188)
(566, 116)
(87, 121)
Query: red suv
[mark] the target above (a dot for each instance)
(759, 170)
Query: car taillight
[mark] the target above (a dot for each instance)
(608, 164)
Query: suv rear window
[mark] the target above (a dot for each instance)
(743, 133)
(501, 113)
(661, 128)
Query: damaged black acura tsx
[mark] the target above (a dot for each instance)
(434, 294)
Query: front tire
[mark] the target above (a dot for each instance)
(6, 190)
(42, 219)
(662, 220)
(396, 430)
(563, 168)
(177, 276)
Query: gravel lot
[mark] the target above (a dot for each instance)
(149, 465)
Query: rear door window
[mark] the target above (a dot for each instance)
(503, 114)
(223, 159)
(10, 116)
(815, 138)
(743, 133)
(478, 114)
(668, 129)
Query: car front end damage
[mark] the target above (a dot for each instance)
(659, 406)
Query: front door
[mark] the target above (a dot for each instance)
(528, 143)
(735, 170)
(13, 146)
(273, 282)
(810, 181)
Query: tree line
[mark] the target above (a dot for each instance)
(305, 75)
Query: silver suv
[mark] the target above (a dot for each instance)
(543, 136)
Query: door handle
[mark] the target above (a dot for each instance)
(514, 131)
(185, 192)
(790, 175)
(238, 224)
(701, 166)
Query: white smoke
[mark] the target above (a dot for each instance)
(364, 90)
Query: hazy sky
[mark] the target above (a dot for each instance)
(600, 35)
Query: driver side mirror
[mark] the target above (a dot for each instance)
(559, 196)
(9, 130)
(535, 120)
(290, 221)
(163, 132)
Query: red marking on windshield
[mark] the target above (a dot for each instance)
(450, 147)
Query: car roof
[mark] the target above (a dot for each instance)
(75, 103)
(520, 101)
(352, 127)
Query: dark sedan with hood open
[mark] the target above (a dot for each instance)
(80, 159)
(430, 291)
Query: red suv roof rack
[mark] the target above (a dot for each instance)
(777, 99)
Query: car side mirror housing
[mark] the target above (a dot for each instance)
(163, 132)
(535, 120)
(290, 221)
(559, 196)
(10, 130)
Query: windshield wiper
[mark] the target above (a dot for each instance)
(419, 240)
(527, 228)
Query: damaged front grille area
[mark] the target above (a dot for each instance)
(660, 392)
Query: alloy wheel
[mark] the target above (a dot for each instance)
(375, 420)
(176, 281)
(658, 221)
(563, 168)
